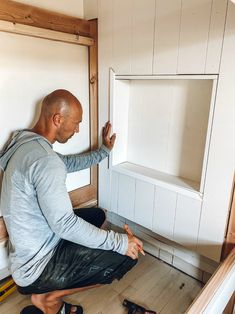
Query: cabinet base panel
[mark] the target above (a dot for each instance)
(189, 262)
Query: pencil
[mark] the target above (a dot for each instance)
(130, 233)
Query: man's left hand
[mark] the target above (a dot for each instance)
(108, 140)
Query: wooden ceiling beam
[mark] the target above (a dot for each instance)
(16, 12)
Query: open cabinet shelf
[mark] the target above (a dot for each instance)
(158, 178)
(163, 126)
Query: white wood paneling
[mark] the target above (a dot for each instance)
(164, 212)
(195, 22)
(167, 27)
(104, 62)
(215, 40)
(199, 41)
(142, 36)
(187, 221)
(114, 191)
(126, 196)
(122, 35)
(220, 170)
(144, 200)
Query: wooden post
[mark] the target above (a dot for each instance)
(93, 80)
(90, 193)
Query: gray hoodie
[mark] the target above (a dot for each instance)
(37, 209)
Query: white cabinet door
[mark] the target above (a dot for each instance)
(126, 196)
(144, 202)
(164, 212)
(114, 192)
(187, 219)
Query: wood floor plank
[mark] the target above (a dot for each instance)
(152, 284)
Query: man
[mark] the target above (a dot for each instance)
(55, 251)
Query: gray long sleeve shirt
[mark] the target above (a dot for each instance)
(37, 209)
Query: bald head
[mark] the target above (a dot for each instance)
(61, 114)
(60, 101)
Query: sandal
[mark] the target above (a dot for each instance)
(70, 309)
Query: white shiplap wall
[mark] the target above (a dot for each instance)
(192, 44)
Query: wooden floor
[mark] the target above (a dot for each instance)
(152, 284)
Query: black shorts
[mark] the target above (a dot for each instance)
(74, 266)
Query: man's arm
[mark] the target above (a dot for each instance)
(48, 177)
(78, 162)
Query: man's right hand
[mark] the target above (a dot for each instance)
(134, 246)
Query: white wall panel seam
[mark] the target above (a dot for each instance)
(176, 204)
(180, 28)
(154, 34)
(208, 37)
(198, 228)
(134, 200)
(222, 47)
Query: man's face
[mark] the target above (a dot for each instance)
(69, 124)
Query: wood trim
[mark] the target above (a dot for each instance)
(90, 192)
(16, 12)
(93, 90)
(229, 242)
(26, 30)
(83, 195)
(218, 280)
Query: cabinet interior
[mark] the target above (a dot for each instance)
(163, 126)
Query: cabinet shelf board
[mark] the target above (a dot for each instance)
(167, 77)
(158, 178)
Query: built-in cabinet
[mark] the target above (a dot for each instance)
(147, 43)
(158, 165)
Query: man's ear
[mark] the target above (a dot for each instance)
(57, 119)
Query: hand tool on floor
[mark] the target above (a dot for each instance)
(135, 308)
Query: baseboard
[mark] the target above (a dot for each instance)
(191, 263)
